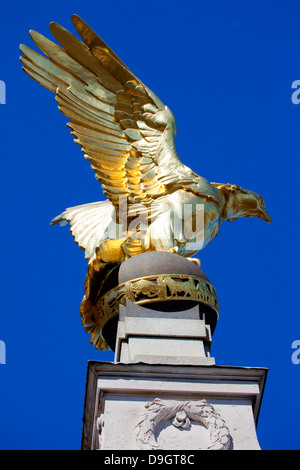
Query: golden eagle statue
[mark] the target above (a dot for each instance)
(127, 134)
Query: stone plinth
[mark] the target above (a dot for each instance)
(164, 391)
(172, 407)
(162, 337)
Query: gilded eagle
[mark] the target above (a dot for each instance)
(128, 136)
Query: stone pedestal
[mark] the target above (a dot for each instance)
(162, 337)
(152, 407)
(164, 391)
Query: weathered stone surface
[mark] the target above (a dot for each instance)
(162, 337)
(123, 399)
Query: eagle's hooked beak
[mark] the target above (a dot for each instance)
(263, 214)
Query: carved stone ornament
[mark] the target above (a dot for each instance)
(182, 414)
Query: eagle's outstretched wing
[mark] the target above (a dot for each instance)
(125, 131)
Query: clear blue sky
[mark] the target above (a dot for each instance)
(225, 68)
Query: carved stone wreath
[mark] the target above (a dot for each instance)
(182, 413)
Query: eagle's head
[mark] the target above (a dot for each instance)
(241, 202)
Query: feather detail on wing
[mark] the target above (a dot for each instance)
(125, 131)
(90, 224)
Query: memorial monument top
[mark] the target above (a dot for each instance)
(145, 296)
(154, 202)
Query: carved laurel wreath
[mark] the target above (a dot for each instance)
(182, 413)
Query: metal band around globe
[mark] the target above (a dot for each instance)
(156, 288)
